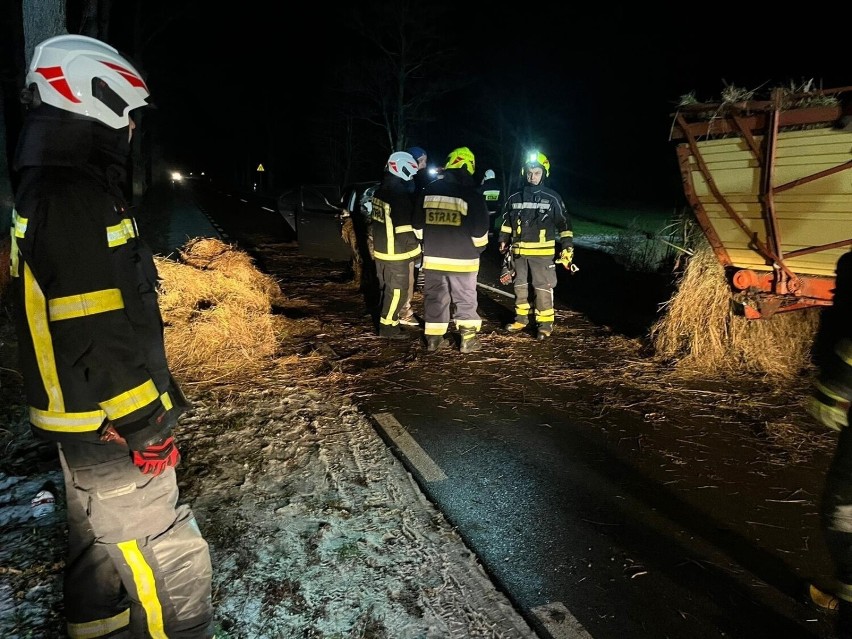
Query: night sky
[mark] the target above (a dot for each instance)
(593, 86)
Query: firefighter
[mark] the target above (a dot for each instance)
(395, 246)
(829, 405)
(451, 215)
(90, 337)
(490, 190)
(534, 220)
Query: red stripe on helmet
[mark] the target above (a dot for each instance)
(56, 79)
(127, 74)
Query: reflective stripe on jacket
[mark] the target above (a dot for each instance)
(452, 216)
(534, 220)
(90, 333)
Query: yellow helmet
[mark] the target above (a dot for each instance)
(536, 159)
(461, 157)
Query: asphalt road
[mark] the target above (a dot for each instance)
(583, 543)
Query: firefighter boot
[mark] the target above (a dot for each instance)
(544, 330)
(515, 327)
(434, 342)
(469, 340)
(392, 332)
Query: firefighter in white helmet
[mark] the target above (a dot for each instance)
(90, 337)
(395, 246)
(534, 222)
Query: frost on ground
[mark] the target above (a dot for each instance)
(315, 530)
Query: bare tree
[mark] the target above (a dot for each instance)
(400, 66)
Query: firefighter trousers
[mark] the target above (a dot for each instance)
(137, 564)
(442, 288)
(542, 272)
(393, 276)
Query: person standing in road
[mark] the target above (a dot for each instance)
(422, 158)
(490, 190)
(395, 246)
(90, 338)
(451, 215)
(829, 404)
(534, 220)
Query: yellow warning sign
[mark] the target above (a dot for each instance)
(260, 168)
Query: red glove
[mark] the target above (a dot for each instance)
(157, 457)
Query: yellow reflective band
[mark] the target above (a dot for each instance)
(120, 233)
(36, 313)
(566, 234)
(386, 320)
(482, 240)
(129, 401)
(395, 257)
(830, 392)
(534, 245)
(57, 422)
(17, 230)
(491, 196)
(72, 306)
(435, 328)
(167, 401)
(445, 203)
(844, 591)
(405, 228)
(99, 627)
(504, 228)
(449, 264)
(548, 252)
(844, 351)
(146, 588)
(19, 225)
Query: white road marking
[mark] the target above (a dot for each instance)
(428, 469)
(560, 623)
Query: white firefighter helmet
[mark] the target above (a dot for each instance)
(88, 77)
(489, 174)
(402, 165)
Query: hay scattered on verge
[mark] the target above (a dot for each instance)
(217, 309)
(700, 333)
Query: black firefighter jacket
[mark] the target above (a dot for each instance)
(89, 327)
(390, 223)
(534, 219)
(452, 216)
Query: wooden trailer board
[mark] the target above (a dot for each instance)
(770, 183)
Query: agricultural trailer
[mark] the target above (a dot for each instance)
(770, 183)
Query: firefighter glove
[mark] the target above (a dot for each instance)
(157, 457)
(828, 408)
(566, 257)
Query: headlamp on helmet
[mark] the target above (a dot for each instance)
(537, 160)
(461, 157)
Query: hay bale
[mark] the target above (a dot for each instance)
(210, 254)
(701, 334)
(217, 309)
